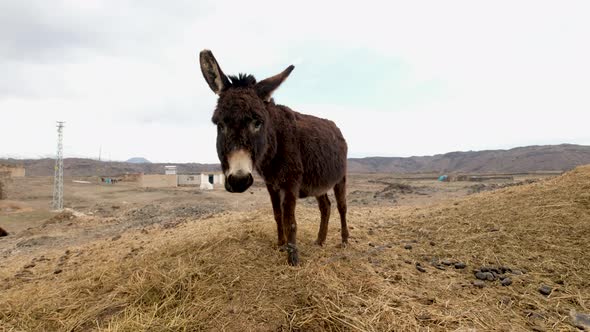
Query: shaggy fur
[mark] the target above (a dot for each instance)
(297, 155)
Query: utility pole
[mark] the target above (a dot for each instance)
(58, 180)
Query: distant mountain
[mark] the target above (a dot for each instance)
(138, 160)
(91, 167)
(518, 160)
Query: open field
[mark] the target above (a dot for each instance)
(128, 259)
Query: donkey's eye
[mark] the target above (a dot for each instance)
(256, 125)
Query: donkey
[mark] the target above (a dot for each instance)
(297, 155)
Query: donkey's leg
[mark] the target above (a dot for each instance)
(275, 199)
(340, 193)
(324, 204)
(289, 199)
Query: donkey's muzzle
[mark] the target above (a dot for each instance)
(238, 183)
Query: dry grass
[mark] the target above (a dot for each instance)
(225, 274)
(2, 193)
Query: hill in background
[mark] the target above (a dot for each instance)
(542, 158)
(138, 160)
(518, 160)
(91, 167)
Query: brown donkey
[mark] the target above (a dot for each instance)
(297, 155)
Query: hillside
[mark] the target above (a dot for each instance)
(138, 160)
(518, 160)
(90, 167)
(223, 272)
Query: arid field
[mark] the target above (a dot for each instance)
(424, 256)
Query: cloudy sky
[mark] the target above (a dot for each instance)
(399, 78)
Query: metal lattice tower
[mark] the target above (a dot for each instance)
(58, 180)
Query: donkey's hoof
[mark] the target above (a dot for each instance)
(343, 244)
(293, 259)
(318, 242)
(292, 254)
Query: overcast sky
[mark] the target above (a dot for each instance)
(399, 78)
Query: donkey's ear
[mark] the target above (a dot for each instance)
(266, 87)
(212, 72)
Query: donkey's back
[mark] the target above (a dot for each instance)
(322, 151)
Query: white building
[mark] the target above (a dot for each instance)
(210, 180)
(170, 170)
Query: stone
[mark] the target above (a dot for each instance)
(580, 320)
(545, 290)
(479, 283)
(489, 276)
(481, 275)
(447, 262)
(460, 265)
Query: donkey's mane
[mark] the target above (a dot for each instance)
(242, 81)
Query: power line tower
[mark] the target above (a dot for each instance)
(58, 180)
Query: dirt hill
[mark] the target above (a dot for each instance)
(518, 160)
(406, 268)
